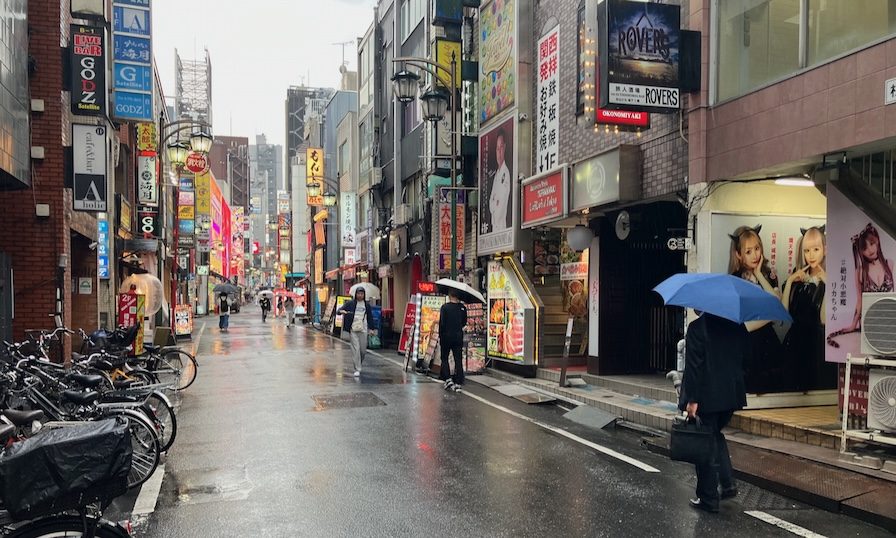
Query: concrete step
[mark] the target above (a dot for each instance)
(630, 385)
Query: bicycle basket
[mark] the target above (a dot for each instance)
(65, 468)
(125, 336)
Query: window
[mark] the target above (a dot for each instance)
(839, 27)
(365, 75)
(343, 160)
(411, 116)
(412, 13)
(761, 41)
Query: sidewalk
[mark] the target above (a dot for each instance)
(811, 474)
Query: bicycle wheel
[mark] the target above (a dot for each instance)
(145, 446)
(178, 368)
(67, 526)
(163, 418)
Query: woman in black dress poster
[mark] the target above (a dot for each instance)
(803, 297)
(764, 372)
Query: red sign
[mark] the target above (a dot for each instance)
(426, 287)
(544, 198)
(410, 317)
(196, 163)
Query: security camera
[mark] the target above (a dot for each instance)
(92, 246)
(524, 116)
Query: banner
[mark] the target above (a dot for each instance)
(544, 198)
(133, 80)
(497, 58)
(547, 136)
(147, 179)
(88, 67)
(498, 194)
(410, 318)
(89, 167)
(446, 242)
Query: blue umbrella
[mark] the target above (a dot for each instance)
(726, 296)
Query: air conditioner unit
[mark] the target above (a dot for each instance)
(403, 214)
(882, 399)
(879, 324)
(377, 176)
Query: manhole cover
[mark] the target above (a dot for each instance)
(325, 402)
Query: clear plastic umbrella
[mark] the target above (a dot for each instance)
(370, 290)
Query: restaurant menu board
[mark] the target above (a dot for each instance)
(183, 320)
(431, 355)
(328, 311)
(475, 359)
(407, 330)
(547, 257)
(506, 314)
(429, 316)
(474, 338)
(340, 300)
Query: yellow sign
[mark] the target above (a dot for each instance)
(314, 164)
(443, 51)
(147, 137)
(186, 212)
(315, 200)
(203, 193)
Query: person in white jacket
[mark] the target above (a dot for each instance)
(499, 200)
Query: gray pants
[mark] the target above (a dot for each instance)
(359, 347)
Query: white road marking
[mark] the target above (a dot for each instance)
(781, 524)
(149, 493)
(602, 449)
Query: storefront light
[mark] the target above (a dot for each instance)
(795, 181)
(201, 142)
(177, 153)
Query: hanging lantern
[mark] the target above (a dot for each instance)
(579, 238)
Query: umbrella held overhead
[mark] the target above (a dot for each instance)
(464, 292)
(726, 296)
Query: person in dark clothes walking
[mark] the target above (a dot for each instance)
(452, 320)
(712, 389)
(223, 312)
(265, 305)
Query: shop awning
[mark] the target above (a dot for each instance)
(332, 274)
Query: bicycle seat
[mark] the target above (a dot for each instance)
(22, 418)
(80, 398)
(77, 357)
(151, 347)
(103, 365)
(89, 381)
(6, 431)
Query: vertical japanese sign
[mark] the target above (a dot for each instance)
(446, 242)
(102, 249)
(147, 179)
(88, 66)
(147, 137)
(133, 79)
(548, 118)
(89, 168)
(314, 172)
(348, 217)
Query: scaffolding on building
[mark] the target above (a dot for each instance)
(193, 98)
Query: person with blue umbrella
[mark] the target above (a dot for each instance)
(717, 344)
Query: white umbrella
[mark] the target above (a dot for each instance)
(370, 290)
(266, 293)
(464, 292)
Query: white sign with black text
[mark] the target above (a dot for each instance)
(147, 180)
(547, 138)
(89, 167)
(348, 217)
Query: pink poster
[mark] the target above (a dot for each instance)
(860, 259)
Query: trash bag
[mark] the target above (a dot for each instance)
(65, 468)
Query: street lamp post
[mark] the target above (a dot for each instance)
(434, 108)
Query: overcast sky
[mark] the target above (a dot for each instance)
(258, 48)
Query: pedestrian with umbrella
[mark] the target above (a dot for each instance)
(223, 312)
(452, 320)
(716, 346)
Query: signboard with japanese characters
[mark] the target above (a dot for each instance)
(314, 164)
(639, 54)
(547, 139)
(102, 249)
(446, 241)
(148, 221)
(132, 74)
(544, 197)
(88, 68)
(147, 179)
(89, 168)
(147, 137)
(348, 217)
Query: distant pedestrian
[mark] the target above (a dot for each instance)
(265, 305)
(279, 311)
(356, 319)
(452, 320)
(289, 309)
(223, 312)
(712, 389)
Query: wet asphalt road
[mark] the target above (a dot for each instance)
(392, 454)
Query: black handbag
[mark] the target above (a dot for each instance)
(692, 441)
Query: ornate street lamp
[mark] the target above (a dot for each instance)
(329, 199)
(435, 104)
(404, 84)
(314, 190)
(177, 153)
(201, 142)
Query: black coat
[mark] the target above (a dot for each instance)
(715, 350)
(348, 317)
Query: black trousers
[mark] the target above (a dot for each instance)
(445, 371)
(711, 476)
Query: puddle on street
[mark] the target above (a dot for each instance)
(211, 485)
